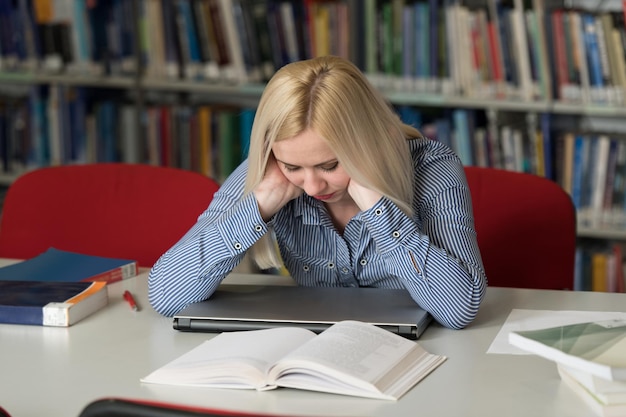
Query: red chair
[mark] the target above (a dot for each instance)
(526, 228)
(128, 407)
(130, 211)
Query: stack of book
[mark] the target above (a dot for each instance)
(58, 288)
(606, 397)
(590, 358)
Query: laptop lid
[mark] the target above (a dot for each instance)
(254, 307)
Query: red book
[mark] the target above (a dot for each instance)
(494, 49)
(558, 36)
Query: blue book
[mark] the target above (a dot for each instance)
(410, 115)
(246, 119)
(586, 188)
(8, 47)
(592, 47)
(99, 42)
(578, 269)
(82, 30)
(39, 128)
(106, 121)
(59, 304)
(18, 30)
(188, 31)
(172, 44)
(504, 30)
(55, 265)
(444, 131)
(77, 116)
(31, 30)
(128, 36)
(434, 38)
(422, 40)
(580, 153)
(463, 135)
(408, 42)
(4, 140)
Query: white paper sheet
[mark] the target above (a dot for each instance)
(520, 319)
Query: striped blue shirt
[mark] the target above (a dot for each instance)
(434, 254)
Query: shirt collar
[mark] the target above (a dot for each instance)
(308, 208)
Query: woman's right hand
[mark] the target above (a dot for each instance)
(274, 190)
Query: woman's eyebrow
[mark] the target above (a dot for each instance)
(330, 161)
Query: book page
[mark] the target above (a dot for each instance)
(351, 351)
(231, 360)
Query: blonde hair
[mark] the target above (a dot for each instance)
(332, 97)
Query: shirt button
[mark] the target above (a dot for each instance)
(378, 212)
(306, 268)
(258, 228)
(363, 262)
(344, 270)
(395, 234)
(237, 246)
(331, 265)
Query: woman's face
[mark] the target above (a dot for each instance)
(308, 162)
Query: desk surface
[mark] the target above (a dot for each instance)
(47, 371)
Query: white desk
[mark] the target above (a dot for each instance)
(56, 371)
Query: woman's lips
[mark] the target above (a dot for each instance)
(324, 196)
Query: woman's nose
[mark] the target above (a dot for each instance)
(313, 184)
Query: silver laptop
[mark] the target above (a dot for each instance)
(253, 307)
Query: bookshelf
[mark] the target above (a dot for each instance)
(506, 69)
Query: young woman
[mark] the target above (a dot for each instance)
(349, 195)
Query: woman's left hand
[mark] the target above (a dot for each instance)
(362, 196)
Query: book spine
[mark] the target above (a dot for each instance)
(117, 274)
(32, 315)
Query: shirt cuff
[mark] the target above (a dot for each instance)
(389, 226)
(244, 226)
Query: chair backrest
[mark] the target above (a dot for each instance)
(129, 407)
(130, 211)
(526, 229)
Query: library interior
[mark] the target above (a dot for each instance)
(530, 94)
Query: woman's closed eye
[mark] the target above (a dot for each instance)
(291, 168)
(327, 167)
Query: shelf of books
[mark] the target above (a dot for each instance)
(537, 86)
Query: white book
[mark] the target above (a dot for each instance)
(453, 55)
(74, 14)
(599, 178)
(55, 134)
(236, 72)
(155, 40)
(349, 358)
(608, 392)
(598, 348)
(130, 142)
(508, 150)
(521, 51)
(594, 402)
(289, 30)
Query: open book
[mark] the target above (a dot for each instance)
(350, 358)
